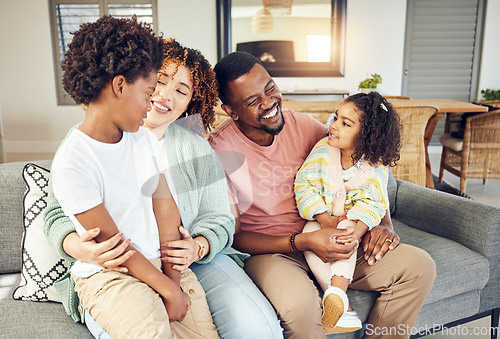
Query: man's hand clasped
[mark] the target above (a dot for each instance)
(331, 244)
(378, 241)
(323, 243)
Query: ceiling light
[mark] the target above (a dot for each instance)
(262, 22)
(278, 7)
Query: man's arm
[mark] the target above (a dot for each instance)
(318, 241)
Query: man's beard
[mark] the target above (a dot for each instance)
(277, 129)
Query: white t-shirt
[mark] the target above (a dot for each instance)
(168, 174)
(122, 176)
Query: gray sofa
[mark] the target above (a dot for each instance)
(461, 235)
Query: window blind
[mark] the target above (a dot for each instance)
(440, 48)
(68, 15)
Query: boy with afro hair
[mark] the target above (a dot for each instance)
(107, 178)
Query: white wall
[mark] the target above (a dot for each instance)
(489, 76)
(32, 120)
(34, 123)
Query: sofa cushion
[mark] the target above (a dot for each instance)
(392, 189)
(27, 319)
(459, 269)
(42, 266)
(454, 263)
(432, 313)
(12, 188)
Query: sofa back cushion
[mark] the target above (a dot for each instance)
(12, 189)
(392, 188)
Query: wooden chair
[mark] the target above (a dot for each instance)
(494, 103)
(411, 165)
(478, 154)
(397, 97)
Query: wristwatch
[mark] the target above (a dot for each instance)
(201, 250)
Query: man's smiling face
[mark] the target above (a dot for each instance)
(256, 101)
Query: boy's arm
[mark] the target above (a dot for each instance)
(138, 266)
(327, 220)
(168, 220)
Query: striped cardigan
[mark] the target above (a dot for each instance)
(319, 188)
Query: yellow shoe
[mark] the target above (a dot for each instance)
(335, 305)
(349, 322)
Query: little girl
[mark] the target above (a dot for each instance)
(343, 184)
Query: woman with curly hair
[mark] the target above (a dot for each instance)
(343, 184)
(182, 110)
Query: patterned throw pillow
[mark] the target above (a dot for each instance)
(42, 266)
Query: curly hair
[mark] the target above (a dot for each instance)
(230, 68)
(379, 138)
(204, 84)
(107, 48)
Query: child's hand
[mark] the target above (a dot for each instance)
(330, 221)
(177, 305)
(327, 220)
(357, 233)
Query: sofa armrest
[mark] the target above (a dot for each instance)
(470, 223)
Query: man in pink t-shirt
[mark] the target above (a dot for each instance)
(267, 197)
(262, 147)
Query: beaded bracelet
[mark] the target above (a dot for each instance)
(292, 242)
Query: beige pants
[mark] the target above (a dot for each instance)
(404, 278)
(125, 307)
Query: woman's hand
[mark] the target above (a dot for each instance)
(181, 253)
(109, 254)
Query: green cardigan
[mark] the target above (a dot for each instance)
(200, 184)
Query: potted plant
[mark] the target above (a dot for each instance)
(370, 84)
(491, 94)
